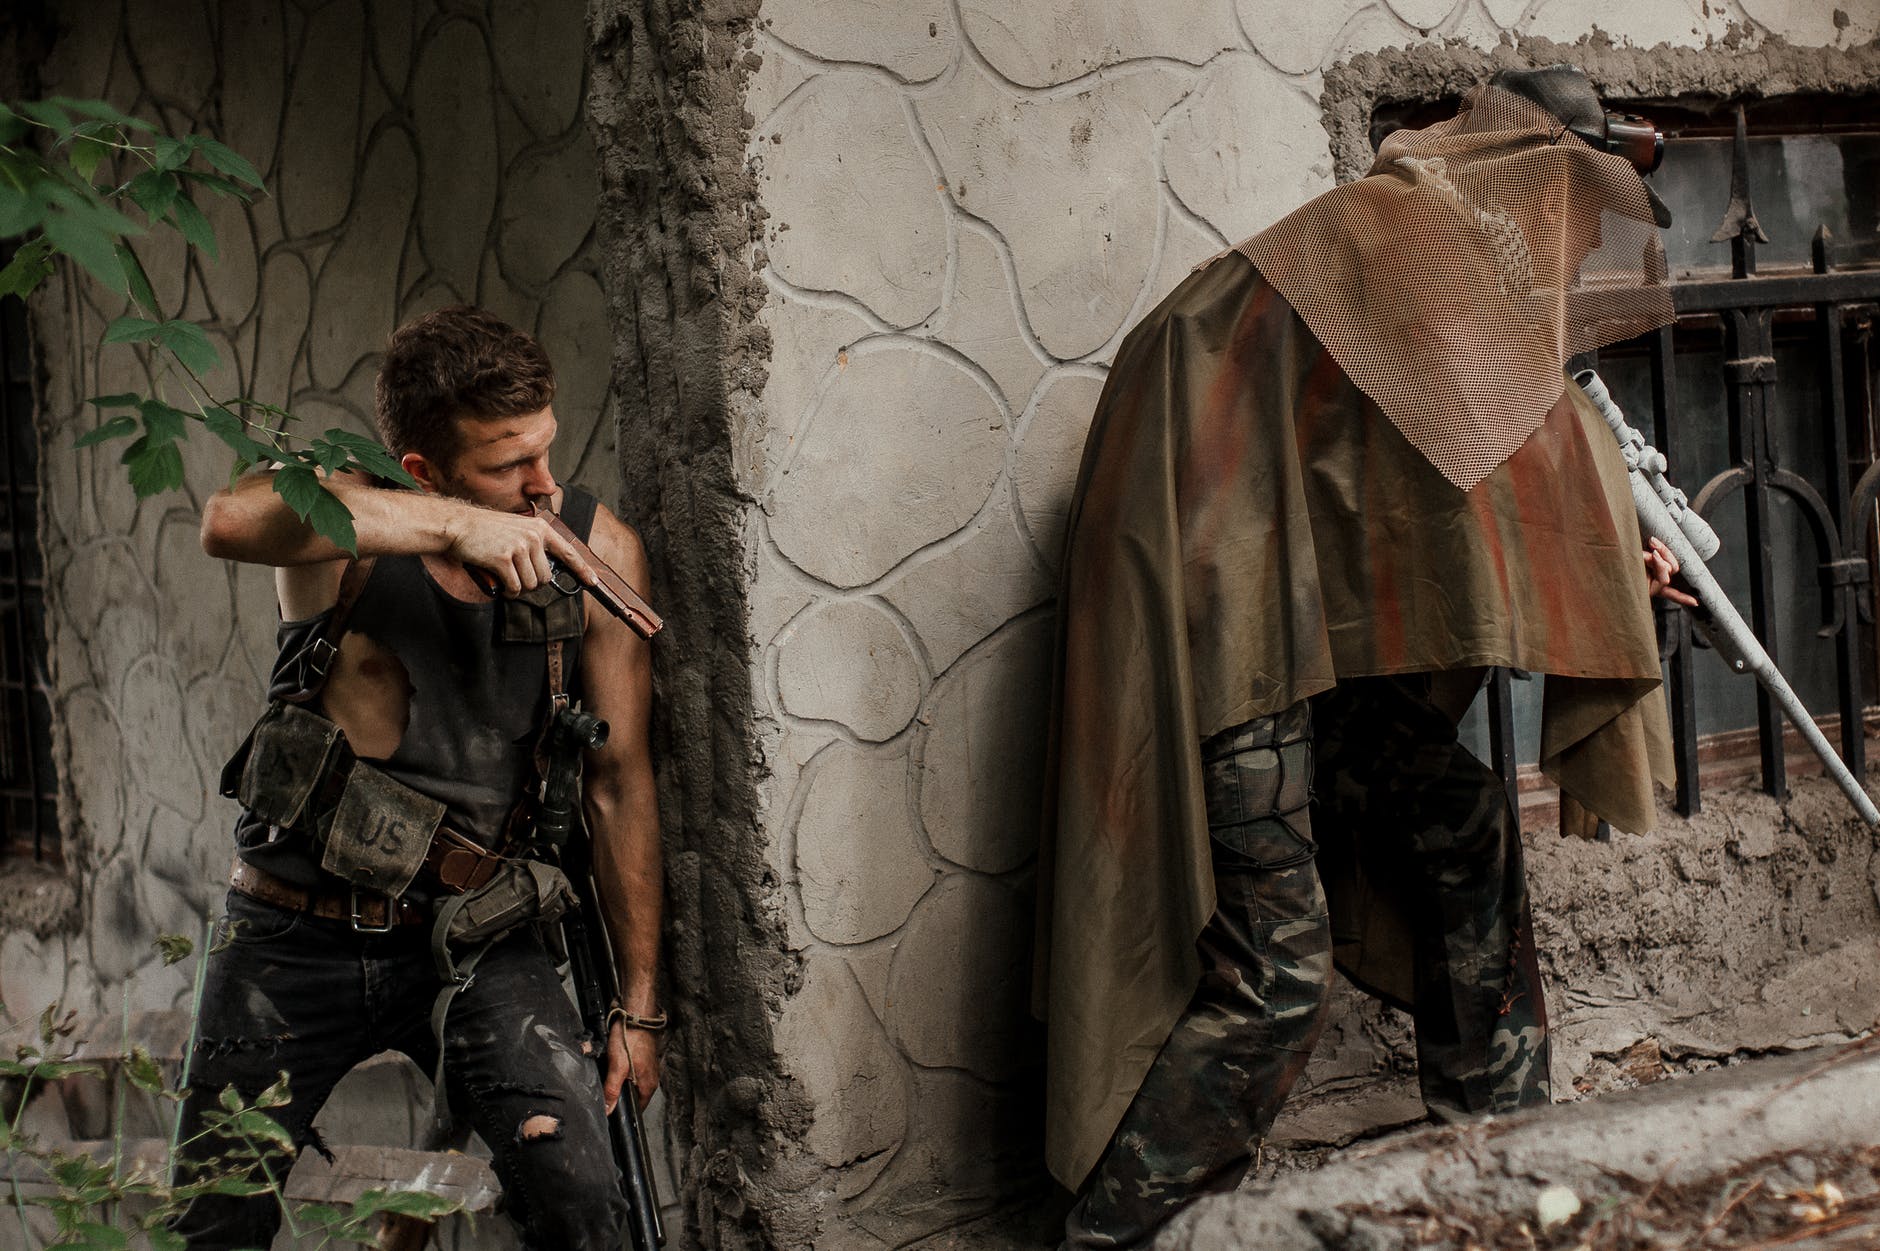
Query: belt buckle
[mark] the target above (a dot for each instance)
(358, 922)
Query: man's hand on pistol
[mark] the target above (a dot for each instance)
(1660, 568)
(514, 549)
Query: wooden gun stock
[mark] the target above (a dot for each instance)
(609, 587)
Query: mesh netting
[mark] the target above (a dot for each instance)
(1453, 282)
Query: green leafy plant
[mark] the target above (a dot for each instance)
(83, 181)
(111, 1201)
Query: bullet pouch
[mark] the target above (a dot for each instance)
(286, 758)
(380, 831)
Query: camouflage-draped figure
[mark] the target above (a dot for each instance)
(1333, 477)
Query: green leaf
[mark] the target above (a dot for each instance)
(328, 456)
(404, 1203)
(87, 155)
(19, 212)
(258, 1124)
(46, 113)
(132, 330)
(191, 345)
(154, 468)
(229, 161)
(227, 427)
(230, 1099)
(217, 184)
(164, 1239)
(13, 127)
(277, 1095)
(138, 280)
(238, 1186)
(129, 399)
(98, 109)
(89, 246)
(104, 1236)
(86, 206)
(154, 193)
(162, 423)
(300, 487)
(174, 948)
(116, 428)
(372, 456)
(319, 1216)
(174, 153)
(76, 1172)
(186, 217)
(59, 1070)
(30, 266)
(51, 1026)
(142, 1070)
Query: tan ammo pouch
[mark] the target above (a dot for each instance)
(380, 833)
(375, 834)
(285, 761)
(523, 892)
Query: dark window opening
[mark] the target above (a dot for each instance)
(29, 826)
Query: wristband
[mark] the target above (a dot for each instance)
(651, 1024)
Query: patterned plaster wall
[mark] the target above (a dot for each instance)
(416, 154)
(970, 202)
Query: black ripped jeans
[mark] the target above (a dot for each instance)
(294, 992)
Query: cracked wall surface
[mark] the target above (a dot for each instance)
(968, 204)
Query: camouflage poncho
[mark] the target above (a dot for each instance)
(1248, 528)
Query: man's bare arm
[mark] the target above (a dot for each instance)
(250, 522)
(621, 805)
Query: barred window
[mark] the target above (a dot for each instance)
(28, 818)
(1766, 398)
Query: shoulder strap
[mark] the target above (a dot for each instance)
(314, 661)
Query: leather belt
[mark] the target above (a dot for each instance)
(459, 864)
(363, 910)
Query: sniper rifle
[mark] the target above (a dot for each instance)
(1668, 516)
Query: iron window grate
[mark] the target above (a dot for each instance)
(28, 812)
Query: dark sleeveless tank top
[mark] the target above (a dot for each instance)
(478, 701)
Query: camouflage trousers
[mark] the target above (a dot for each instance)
(1369, 782)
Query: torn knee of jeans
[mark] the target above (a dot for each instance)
(312, 1138)
(490, 1090)
(539, 1127)
(213, 1047)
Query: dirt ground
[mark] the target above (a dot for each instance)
(1778, 1152)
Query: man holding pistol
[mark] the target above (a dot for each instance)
(393, 779)
(1332, 478)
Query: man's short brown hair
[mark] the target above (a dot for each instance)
(459, 362)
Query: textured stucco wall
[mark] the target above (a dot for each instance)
(416, 154)
(968, 204)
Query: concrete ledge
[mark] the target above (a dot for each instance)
(1775, 1127)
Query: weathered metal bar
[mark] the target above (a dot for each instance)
(1673, 619)
(1751, 366)
(1840, 494)
(1721, 295)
